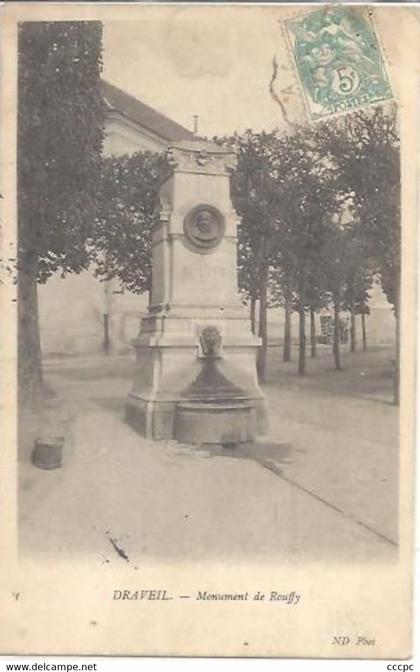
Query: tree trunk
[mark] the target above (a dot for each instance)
(364, 337)
(302, 334)
(336, 341)
(107, 340)
(313, 333)
(352, 326)
(29, 345)
(262, 351)
(108, 295)
(397, 355)
(252, 313)
(287, 341)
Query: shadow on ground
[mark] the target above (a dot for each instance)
(114, 405)
(257, 451)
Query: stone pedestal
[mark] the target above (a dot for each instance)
(221, 424)
(194, 285)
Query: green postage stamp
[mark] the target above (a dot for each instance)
(338, 60)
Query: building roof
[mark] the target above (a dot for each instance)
(143, 114)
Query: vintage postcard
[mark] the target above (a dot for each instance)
(208, 329)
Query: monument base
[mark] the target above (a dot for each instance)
(217, 423)
(150, 418)
(168, 362)
(155, 418)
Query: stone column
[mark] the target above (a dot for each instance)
(194, 285)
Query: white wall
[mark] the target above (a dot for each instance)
(71, 315)
(123, 136)
(71, 309)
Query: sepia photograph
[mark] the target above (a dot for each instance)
(208, 267)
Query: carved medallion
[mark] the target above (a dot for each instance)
(204, 227)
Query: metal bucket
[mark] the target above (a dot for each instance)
(48, 453)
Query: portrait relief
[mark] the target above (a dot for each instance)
(204, 227)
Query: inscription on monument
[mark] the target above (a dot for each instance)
(203, 273)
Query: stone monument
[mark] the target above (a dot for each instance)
(196, 354)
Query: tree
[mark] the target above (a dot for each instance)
(257, 199)
(316, 222)
(284, 191)
(60, 134)
(121, 237)
(356, 296)
(308, 200)
(317, 299)
(336, 258)
(365, 310)
(248, 280)
(282, 292)
(366, 150)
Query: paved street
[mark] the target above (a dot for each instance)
(321, 485)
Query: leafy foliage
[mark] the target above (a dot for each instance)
(121, 241)
(283, 191)
(366, 150)
(256, 197)
(320, 211)
(60, 133)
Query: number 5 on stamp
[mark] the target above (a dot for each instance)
(338, 60)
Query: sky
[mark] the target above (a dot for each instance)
(214, 62)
